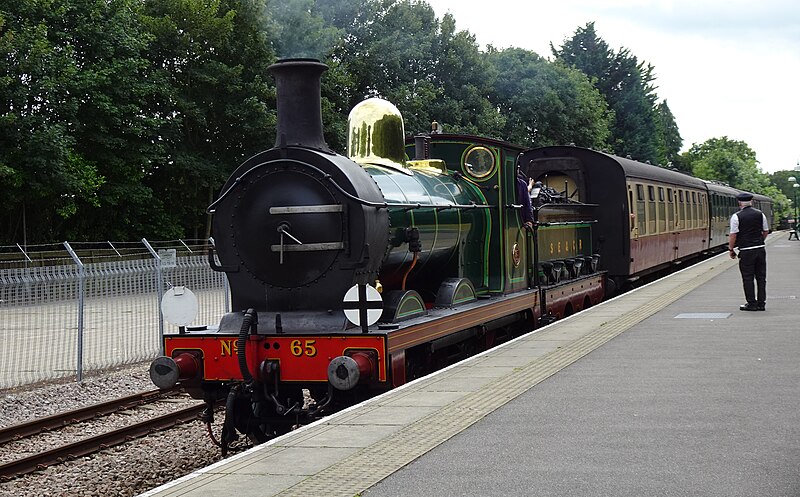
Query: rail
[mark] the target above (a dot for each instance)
(99, 442)
(60, 420)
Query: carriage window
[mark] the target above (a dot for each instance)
(714, 209)
(651, 209)
(662, 211)
(630, 200)
(631, 210)
(687, 210)
(641, 213)
(479, 162)
(680, 195)
(703, 213)
(670, 211)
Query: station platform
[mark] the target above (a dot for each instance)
(666, 390)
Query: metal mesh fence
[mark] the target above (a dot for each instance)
(58, 321)
(38, 316)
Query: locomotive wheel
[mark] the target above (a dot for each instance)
(247, 423)
(239, 417)
(416, 364)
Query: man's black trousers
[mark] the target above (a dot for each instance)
(753, 265)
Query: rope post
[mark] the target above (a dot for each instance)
(28, 259)
(187, 247)
(81, 304)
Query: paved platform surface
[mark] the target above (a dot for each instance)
(691, 397)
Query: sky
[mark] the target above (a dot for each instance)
(725, 67)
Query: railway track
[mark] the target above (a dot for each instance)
(60, 420)
(93, 443)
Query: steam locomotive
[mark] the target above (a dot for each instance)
(352, 275)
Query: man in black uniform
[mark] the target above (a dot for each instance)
(749, 228)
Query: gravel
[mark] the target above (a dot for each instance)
(36, 401)
(124, 470)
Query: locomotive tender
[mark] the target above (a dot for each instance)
(305, 234)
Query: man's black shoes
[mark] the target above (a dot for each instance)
(753, 307)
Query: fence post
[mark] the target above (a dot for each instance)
(226, 288)
(81, 302)
(160, 293)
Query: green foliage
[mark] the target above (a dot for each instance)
(398, 50)
(70, 122)
(729, 161)
(465, 77)
(790, 196)
(114, 126)
(781, 181)
(545, 103)
(121, 105)
(388, 52)
(668, 137)
(625, 83)
(298, 31)
(734, 163)
(121, 119)
(213, 58)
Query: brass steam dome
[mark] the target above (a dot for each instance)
(375, 134)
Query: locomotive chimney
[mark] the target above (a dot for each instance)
(299, 102)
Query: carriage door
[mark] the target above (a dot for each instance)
(672, 221)
(632, 214)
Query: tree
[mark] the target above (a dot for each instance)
(668, 138)
(115, 126)
(633, 100)
(780, 180)
(627, 86)
(545, 103)
(218, 101)
(73, 121)
(399, 50)
(394, 58)
(589, 53)
(734, 163)
(465, 78)
(298, 30)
